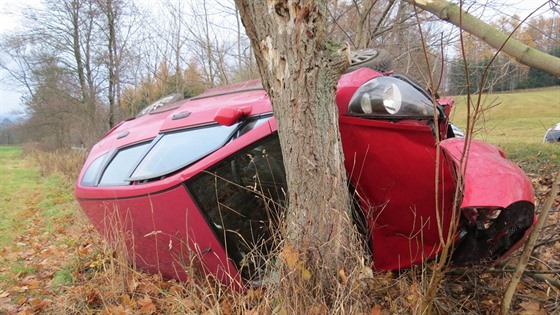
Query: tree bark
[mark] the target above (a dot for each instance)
(524, 54)
(300, 70)
(111, 14)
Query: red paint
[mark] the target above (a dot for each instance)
(392, 165)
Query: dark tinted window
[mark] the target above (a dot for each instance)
(242, 197)
(179, 149)
(122, 164)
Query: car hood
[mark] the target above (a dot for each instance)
(489, 180)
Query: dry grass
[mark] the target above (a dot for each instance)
(66, 163)
(100, 279)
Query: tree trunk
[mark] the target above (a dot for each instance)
(74, 9)
(300, 70)
(110, 13)
(524, 54)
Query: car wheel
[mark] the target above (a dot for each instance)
(169, 99)
(373, 58)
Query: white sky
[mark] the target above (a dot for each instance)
(10, 95)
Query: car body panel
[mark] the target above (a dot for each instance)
(156, 229)
(399, 197)
(489, 179)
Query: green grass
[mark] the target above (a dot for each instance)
(25, 193)
(34, 212)
(512, 118)
(63, 277)
(18, 190)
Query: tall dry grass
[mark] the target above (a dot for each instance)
(64, 162)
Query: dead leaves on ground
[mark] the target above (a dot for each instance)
(33, 267)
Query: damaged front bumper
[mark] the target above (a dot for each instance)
(498, 210)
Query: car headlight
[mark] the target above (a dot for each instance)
(390, 98)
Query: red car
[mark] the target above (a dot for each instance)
(201, 180)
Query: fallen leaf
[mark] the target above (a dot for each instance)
(531, 308)
(318, 310)
(225, 307)
(21, 300)
(376, 310)
(31, 282)
(290, 256)
(343, 276)
(147, 305)
(38, 304)
(456, 288)
(305, 274)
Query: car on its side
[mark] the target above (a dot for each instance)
(202, 180)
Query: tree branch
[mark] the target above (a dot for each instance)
(524, 54)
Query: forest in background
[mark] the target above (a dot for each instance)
(84, 65)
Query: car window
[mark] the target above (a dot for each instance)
(242, 197)
(91, 173)
(176, 150)
(120, 167)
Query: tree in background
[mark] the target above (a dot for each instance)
(84, 40)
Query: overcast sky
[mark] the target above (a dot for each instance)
(10, 96)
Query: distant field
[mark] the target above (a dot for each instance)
(518, 117)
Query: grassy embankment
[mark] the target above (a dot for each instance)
(516, 122)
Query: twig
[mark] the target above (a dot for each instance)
(549, 280)
(508, 270)
(519, 295)
(550, 241)
(529, 246)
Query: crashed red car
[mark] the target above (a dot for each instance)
(198, 180)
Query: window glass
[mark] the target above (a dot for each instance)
(92, 171)
(242, 198)
(121, 165)
(179, 149)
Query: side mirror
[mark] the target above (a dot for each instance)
(228, 116)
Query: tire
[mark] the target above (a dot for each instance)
(169, 99)
(373, 58)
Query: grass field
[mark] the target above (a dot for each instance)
(18, 178)
(508, 118)
(25, 193)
